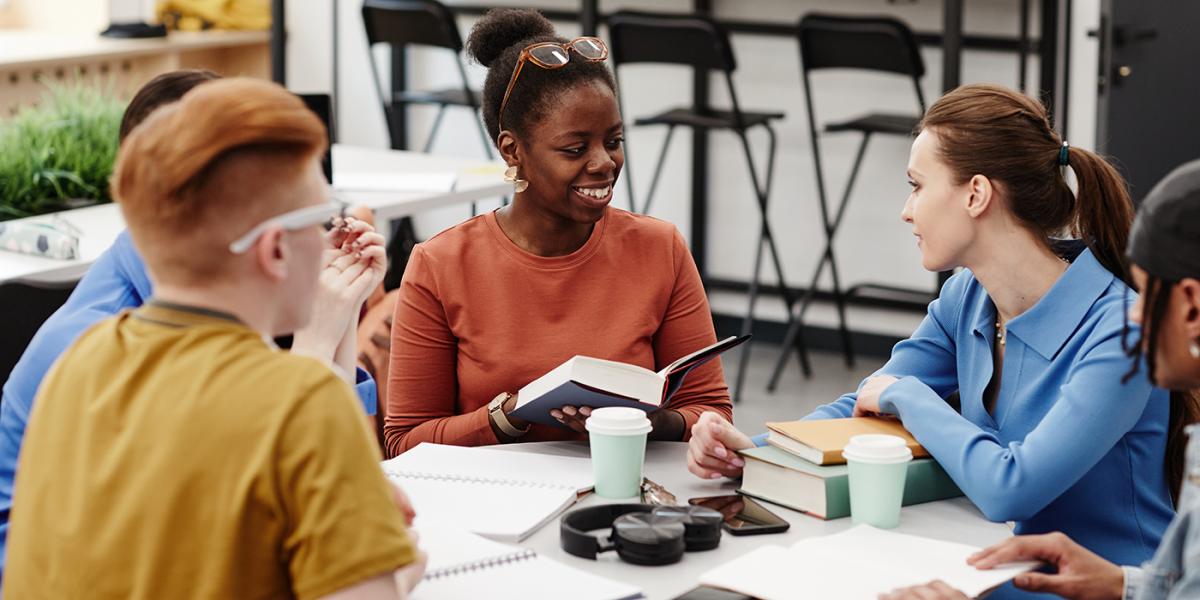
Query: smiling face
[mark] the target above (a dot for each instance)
(938, 208)
(573, 155)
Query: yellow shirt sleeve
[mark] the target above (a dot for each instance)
(343, 526)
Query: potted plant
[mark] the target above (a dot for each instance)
(59, 154)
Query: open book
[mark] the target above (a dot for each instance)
(524, 491)
(466, 566)
(594, 382)
(861, 562)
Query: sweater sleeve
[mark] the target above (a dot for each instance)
(1013, 481)
(686, 327)
(928, 355)
(422, 375)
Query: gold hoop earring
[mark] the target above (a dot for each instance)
(1194, 349)
(510, 175)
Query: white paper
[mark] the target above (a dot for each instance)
(394, 182)
(861, 562)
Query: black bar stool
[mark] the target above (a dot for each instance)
(400, 23)
(878, 44)
(699, 42)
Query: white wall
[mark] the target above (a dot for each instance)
(872, 245)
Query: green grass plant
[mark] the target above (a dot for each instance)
(59, 154)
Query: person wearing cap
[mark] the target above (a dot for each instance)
(1050, 433)
(1164, 252)
(174, 451)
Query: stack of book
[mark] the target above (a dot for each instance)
(802, 466)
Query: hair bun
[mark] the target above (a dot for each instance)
(501, 29)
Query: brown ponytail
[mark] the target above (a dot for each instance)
(1006, 136)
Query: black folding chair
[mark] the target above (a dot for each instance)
(877, 44)
(400, 23)
(24, 306)
(699, 42)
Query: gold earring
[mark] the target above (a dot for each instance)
(510, 175)
(1194, 349)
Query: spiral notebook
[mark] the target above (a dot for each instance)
(465, 487)
(464, 565)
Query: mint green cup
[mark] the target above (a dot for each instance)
(878, 468)
(617, 436)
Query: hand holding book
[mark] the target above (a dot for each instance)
(712, 451)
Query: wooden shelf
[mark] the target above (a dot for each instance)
(28, 58)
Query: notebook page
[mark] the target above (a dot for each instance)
(456, 503)
(489, 464)
(448, 547)
(536, 578)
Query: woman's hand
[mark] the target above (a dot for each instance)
(573, 417)
(352, 265)
(712, 451)
(867, 403)
(1081, 574)
(935, 590)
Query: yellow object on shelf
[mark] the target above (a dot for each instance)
(197, 15)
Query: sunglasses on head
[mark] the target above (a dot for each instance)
(326, 214)
(553, 55)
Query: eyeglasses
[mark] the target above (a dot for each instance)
(325, 214)
(552, 55)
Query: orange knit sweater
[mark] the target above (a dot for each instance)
(478, 316)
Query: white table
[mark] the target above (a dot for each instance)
(955, 520)
(100, 225)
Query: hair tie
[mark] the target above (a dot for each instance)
(1064, 169)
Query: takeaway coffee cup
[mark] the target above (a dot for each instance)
(618, 441)
(878, 466)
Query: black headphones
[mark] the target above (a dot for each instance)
(642, 534)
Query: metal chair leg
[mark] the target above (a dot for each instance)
(796, 319)
(437, 122)
(658, 167)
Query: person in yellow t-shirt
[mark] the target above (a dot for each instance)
(173, 451)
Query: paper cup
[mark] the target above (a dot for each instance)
(878, 467)
(618, 441)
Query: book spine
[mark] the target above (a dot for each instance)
(393, 474)
(479, 565)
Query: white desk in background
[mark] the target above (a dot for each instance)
(100, 225)
(955, 520)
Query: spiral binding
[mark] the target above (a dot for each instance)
(484, 480)
(479, 565)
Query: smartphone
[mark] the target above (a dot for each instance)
(743, 515)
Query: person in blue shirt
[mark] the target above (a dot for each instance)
(118, 281)
(1029, 334)
(1164, 250)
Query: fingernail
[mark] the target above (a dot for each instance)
(556, 414)
(719, 451)
(737, 462)
(587, 412)
(714, 475)
(569, 411)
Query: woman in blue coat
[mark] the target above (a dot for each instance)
(1029, 335)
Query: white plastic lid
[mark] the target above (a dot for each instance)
(878, 449)
(618, 420)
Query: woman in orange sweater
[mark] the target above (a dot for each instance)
(497, 301)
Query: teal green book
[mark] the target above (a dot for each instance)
(783, 478)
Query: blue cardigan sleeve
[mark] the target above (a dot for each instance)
(927, 355)
(364, 386)
(1015, 480)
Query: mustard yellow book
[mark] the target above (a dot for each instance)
(821, 441)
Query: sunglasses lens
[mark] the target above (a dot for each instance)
(550, 56)
(588, 48)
